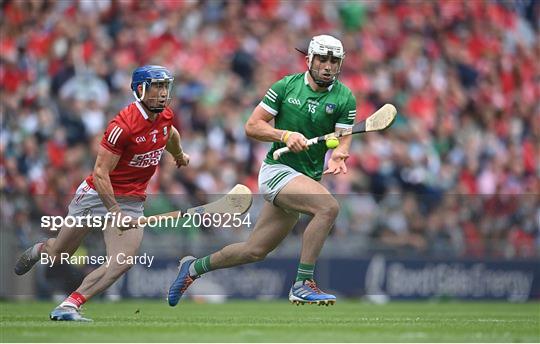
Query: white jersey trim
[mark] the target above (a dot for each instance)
(268, 108)
(344, 126)
(306, 81)
(114, 135)
(141, 110)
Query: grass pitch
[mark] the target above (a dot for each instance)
(276, 321)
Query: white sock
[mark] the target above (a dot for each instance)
(192, 271)
(36, 250)
(68, 304)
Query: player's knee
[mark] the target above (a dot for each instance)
(330, 209)
(256, 254)
(115, 271)
(119, 268)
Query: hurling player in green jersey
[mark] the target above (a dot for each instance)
(302, 105)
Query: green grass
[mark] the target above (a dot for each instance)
(278, 321)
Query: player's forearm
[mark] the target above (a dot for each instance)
(344, 145)
(174, 145)
(105, 191)
(263, 131)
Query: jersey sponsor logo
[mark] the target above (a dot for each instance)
(114, 135)
(147, 159)
(140, 139)
(330, 108)
(294, 101)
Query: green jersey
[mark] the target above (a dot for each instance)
(296, 107)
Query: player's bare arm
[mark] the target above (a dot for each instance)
(174, 147)
(336, 163)
(106, 162)
(258, 127)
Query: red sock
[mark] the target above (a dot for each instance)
(36, 251)
(75, 299)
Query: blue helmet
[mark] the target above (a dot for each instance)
(149, 73)
(145, 76)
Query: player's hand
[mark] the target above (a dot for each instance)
(182, 160)
(297, 142)
(336, 164)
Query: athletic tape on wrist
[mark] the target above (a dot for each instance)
(286, 136)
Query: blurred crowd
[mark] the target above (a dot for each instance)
(458, 173)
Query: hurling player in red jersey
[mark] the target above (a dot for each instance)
(128, 156)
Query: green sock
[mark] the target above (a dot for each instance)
(202, 265)
(305, 272)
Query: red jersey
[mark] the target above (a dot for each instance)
(140, 144)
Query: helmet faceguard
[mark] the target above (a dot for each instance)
(325, 46)
(150, 77)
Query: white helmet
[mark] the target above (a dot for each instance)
(325, 45)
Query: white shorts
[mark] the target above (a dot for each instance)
(273, 178)
(87, 202)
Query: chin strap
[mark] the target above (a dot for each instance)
(321, 83)
(142, 95)
(153, 110)
(140, 100)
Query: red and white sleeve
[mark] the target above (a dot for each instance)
(115, 138)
